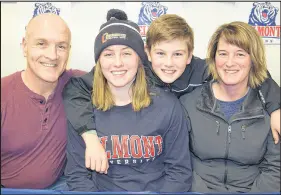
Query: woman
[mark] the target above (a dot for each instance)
(142, 136)
(226, 113)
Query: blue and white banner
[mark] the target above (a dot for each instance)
(264, 17)
(148, 12)
(27, 10)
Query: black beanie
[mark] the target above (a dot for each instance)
(118, 30)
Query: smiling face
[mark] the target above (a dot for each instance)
(119, 65)
(46, 47)
(233, 64)
(169, 59)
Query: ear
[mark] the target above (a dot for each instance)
(24, 46)
(147, 53)
(189, 58)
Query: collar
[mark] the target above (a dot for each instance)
(250, 108)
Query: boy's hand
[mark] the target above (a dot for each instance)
(95, 155)
(275, 125)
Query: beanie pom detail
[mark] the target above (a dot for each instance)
(116, 13)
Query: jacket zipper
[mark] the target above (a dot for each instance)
(218, 127)
(243, 128)
(226, 154)
(229, 141)
(229, 136)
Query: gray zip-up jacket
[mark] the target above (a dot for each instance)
(238, 155)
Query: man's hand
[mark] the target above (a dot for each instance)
(275, 125)
(95, 155)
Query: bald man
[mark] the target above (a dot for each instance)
(33, 121)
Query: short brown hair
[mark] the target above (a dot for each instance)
(169, 27)
(246, 37)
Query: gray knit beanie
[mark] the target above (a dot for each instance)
(118, 30)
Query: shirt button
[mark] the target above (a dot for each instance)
(45, 120)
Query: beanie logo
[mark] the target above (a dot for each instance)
(107, 36)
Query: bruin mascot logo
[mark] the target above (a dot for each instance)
(263, 19)
(41, 8)
(149, 11)
(263, 14)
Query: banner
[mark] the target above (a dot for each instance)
(264, 17)
(149, 11)
(27, 10)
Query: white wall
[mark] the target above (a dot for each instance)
(85, 18)
(11, 56)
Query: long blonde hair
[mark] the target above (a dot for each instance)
(103, 99)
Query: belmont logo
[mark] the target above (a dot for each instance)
(107, 36)
(149, 11)
(269, 31)
(263, 19)
(132, 149)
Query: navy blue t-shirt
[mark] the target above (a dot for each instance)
(147, 150)
(231, 107)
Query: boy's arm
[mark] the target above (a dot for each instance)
(275, 125)
(206, 77)
(178, 173)
(95, 155)
(78, 178)
(79, 112)
(78, 103)
(269, 178)
(269, 94)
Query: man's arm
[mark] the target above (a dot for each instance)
(269, 178)
(178, 171)
(78, 177)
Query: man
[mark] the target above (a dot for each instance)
(33, 121)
